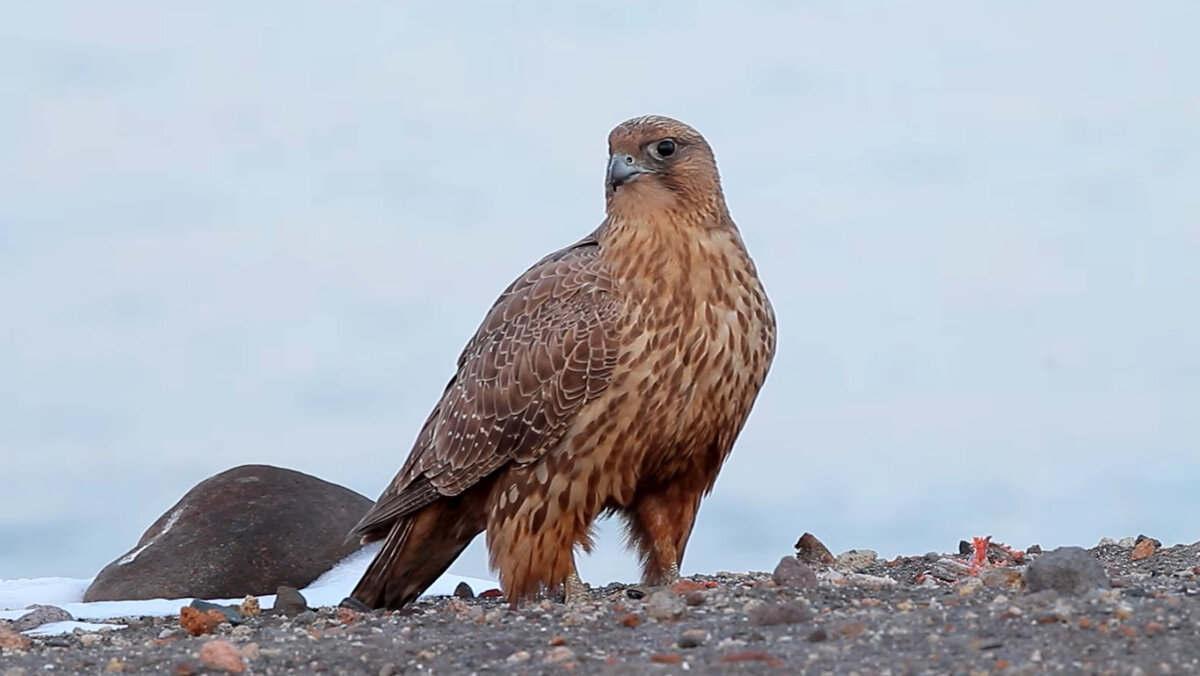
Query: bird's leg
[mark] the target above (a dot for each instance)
(659, 526)
(574, 590)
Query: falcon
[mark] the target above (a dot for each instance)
(612, 377)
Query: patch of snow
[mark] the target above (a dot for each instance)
(128, 558)
(68, 626)
(67, 593)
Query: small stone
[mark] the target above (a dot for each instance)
(183, 668)
(241, 632)
(664, 605)
(89, 640)
(1127, 542)
(559, 655)
(1002, 576)
(197, 622)
(250, 651)
(558, 640)
(1068, 570)
(114, 665)
(950, 570)
(1106, 542)
(792, 572)
(306, 617)
(456, 605)
(250, 607)
(818, 635)
(811, 550)
(765, 614)
(14, 640)
(849, 629)
(630, 620)
(519, 656)
(232, 614)
(464, 591)
(856, 560)
(968, 586)
(693, 638)
(221, 655)
(695, 598)
(289, 601)
(1144, 549)
(666, 658)
(39, 615)
(686, 586)
(389, 669)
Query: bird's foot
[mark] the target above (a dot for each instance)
(574, 590)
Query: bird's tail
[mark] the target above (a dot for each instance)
(417, 550)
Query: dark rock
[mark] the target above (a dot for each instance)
(792, 572)
(306, 617)
(818, 635)
(1069, 570)
(354, 604)
(289, 601)
(232, 614)
(811, 550)
(39, 615)
(464, 591)
(766, 614)
(244, 531)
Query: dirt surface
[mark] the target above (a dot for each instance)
(863, 616)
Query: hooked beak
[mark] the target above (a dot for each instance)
(623, 168)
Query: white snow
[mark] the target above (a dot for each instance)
(67, 593)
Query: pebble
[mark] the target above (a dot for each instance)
(558, 655)
(1144, 549)
(1003, 576)
(519, 656)
(289, 601)
(693, 638)
(231, 613)
(764, 614)
(221, 655)
(811, 550)
(856, 560)
(14, 640)
(792, 572)
(950, 570)
(250, 651)
(39, 615)
(1068, 570)
(665, 605)
(250, 607)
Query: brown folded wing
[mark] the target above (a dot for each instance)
(546, 348)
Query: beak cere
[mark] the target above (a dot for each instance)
(623, 168)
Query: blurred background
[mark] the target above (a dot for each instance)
(261, 233)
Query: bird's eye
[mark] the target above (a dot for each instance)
(664, 148)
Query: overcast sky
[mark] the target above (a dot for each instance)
(235, 233)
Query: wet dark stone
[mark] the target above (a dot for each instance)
(247, 530)
(1068, 570)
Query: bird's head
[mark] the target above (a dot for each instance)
(658, 164)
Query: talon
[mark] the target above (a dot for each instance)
(574, 590)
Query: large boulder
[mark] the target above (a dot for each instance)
(247, 530)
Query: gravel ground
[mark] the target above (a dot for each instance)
(921, 614)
